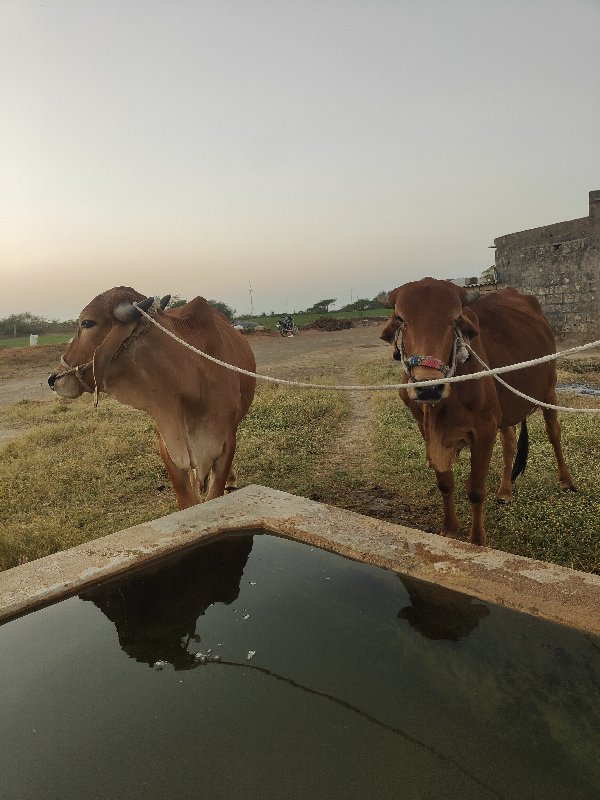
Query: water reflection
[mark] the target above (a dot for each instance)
(439, 613)
(155, 612)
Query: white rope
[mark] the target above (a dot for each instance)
(390, 386)
(532, 399)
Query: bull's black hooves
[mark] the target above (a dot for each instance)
(229, 489)
(570, 489)
(502, 501)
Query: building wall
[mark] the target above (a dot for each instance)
(560, 265)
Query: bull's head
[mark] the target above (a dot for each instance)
(423, 329)
(104, 324)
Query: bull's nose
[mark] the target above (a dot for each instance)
(52, 379)
(430, 394)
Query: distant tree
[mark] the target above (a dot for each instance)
(382, 299)
(23, 323)
(360, 305)
(176, 301)
(322, 307)
(224, 309)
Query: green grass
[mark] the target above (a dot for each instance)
(542, 521)
(43, 339)
(306, 319)
(76, 473)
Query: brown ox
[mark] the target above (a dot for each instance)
(197, 405)
(503, 327)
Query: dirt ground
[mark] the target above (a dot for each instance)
(331, 356)
(24, 371)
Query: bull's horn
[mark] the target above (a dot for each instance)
(470, 298)
(127, 312)
(165, 302)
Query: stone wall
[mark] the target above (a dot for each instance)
(560, 265)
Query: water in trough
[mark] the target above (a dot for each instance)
(257, 667)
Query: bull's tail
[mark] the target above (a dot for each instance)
(520, 461)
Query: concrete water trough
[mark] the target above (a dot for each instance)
(264, 645)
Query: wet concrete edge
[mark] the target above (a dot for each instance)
(545, 590)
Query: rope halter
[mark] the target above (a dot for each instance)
(77, 371)
(460, 354)
(141, 327)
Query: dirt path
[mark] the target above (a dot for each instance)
(24, 373)
(309, 355)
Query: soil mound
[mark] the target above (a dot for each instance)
(329, 324)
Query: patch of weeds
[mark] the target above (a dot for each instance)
(69, 479)
(542, 521)
(285, 435)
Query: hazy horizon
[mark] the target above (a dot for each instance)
(323, 149)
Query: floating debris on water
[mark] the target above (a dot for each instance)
(251, 654)
(246, 616)
(158, 665)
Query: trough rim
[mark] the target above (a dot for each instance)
(541, 589)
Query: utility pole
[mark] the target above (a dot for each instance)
(251, 292)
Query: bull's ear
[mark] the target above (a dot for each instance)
(388, 334)
(468, 323)
(107, 350)
(127, 312)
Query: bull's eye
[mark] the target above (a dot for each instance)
(87, 323)
(398, 318)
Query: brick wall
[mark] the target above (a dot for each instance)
(560, 265)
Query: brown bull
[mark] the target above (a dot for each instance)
(197, 405)
(431, 323)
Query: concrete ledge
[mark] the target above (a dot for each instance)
(544, 590)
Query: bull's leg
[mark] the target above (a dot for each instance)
(231, 482)
(508, 440)
(221, 469)
(445, 482)
(184, 481)
(481, 455)
(553, 432)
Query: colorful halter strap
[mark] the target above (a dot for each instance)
(428, 361)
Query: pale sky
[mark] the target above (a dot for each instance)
(308, 148)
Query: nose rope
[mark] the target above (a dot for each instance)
(77, 371)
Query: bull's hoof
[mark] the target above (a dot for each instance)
(568, 487)
(450, 534)
(503, 501)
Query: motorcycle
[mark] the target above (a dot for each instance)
(287, 327)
